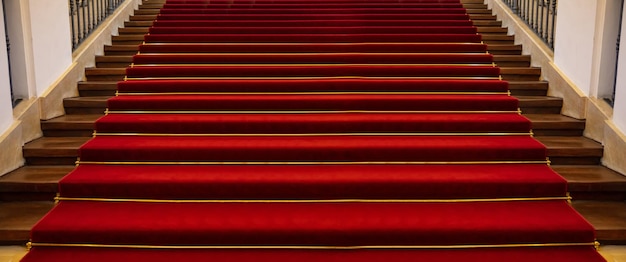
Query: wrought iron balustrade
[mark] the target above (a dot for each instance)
(86, 15)
(539, 15)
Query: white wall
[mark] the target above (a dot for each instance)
(51, 41)
(6, 111)
(40, 44)
(619, 111)
(605, 54)
(22, 69)
(574, 42)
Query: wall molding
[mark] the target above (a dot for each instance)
(28, 114)
(596, 113)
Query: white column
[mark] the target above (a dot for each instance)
(574, 40)
(52, 48)
(619, 110)
(6, 110)
(41, 44)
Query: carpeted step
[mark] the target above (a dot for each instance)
(280, 5)
(313, 182)
(261, 70)
(317, 17)
(316, 30)
(312, 48)
(314, 224)
(312, 38)
(301, 2)
(331, 84)
(320, 58)
(552, 254)
(312, 123)
(314, 102)
(312, 148)
(302, 22)
(316, 11)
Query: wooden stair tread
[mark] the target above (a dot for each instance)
(70, 122)
(504, 71)
(101, 100)
(129, 58)
(608, 218)
(565, 146)
(17, 218)
(142, 30)
(580, 178)
(591, 178)
(54, 147)
(554, 121)
(557, 146)
(34, 179)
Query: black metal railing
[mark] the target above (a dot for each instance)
(14, 100)
(539, 15)
(86, 15)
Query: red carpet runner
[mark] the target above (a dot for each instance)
(313, 130)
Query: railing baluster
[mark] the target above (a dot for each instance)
(539, 15)
(86, 15)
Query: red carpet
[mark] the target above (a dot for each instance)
(317, 130)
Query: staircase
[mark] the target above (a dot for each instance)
(598, 192)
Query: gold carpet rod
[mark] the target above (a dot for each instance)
(311, 247)
(95, 134)
(86, 162)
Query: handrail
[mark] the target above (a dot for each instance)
(539, 15)
(86, 15)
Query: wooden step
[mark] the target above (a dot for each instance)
(53, 150)
(556, 125)
(17, 218)
(480, 23)
(528, 104)
(32, 183)
(70, 125)
(508, 73)
(540, 104)
(107, 88)
(477, 11)
(40, 183)
(593, 182)
(127, 31)
(572, 150)
(490, 39)
(608, 218)
(528, 88)
(83, 125)
(130, 49)
(141, 16)
(97, 88)
(561, 150)
(122, 61)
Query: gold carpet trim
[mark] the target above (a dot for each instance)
(310, 134)
(311, 78)
(145, 200)
(117, 93)
(592, 244)
(303, 112)
(81, 162)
